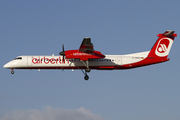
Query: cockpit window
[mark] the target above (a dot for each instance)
(18, 58)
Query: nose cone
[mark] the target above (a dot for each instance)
(8, 65)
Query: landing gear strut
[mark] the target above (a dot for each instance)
(86, 77)
(12, 71)
(87, 69)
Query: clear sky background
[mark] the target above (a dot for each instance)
(39, 27)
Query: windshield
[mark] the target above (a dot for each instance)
(18, 58)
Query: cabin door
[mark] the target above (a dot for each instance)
(29, 61)
(119, 60)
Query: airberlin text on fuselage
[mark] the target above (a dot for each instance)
(82, 54)
(41, 60)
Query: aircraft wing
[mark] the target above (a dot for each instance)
(86, 46)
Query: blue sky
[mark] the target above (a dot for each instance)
(115, 27)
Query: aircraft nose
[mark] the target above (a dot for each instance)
(8, 65)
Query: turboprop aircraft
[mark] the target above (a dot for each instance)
(86, 58)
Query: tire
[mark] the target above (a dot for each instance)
(12, 72)
(86, 77)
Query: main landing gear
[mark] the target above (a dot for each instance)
(86, 77)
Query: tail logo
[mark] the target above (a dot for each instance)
(163, 47)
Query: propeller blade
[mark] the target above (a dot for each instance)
(63, 53)
(63, 59)
(63, 47)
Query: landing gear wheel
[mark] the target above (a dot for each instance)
(86, 77)
(12, 71)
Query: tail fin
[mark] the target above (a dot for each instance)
(163, 45)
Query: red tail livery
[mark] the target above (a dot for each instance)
(163, 45)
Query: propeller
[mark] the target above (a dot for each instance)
(62, 52)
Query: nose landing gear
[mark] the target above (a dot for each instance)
(12, 71)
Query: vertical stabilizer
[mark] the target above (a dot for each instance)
(163, 45)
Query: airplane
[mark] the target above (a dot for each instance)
(86, 58)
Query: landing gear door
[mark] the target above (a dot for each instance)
(29, 61)
(119, 61)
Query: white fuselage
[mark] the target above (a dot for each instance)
(56, 62)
